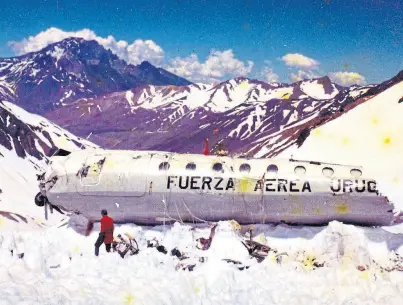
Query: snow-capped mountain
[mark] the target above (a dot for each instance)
(71, 69)
(251, 117)
(26, 141)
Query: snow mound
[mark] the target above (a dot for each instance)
(58, 266)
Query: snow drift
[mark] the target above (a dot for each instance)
(59, 267)
(26, 140)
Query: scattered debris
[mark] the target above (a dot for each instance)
(242, 267)
(178, 254)
(19, 255)
(185, 267)
(279, 257)
(221, 150)
(256, 249)
(162, 249)
(205, 243)
(125, 244)
(155, 244)
(397, 264)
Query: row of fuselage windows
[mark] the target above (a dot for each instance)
(272, 168)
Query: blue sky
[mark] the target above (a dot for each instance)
(322, 36)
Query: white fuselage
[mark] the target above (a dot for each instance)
(150, 187)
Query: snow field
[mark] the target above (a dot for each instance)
(59, 267)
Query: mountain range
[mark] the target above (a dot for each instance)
(248, 116)
(89, 91)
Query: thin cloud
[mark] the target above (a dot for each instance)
(269, 76)
(347, 78)
(301, 75)
(218, 64)
(300, 61)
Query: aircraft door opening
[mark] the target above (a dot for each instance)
(90, 173)
(114, 175)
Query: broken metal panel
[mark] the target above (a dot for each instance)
(114, 175)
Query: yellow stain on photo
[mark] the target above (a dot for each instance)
(375, 121)
(297, 211)
(387, 141)
(316, 132)
(342, 208)
(346, 141)
(364, 274)
(317, 211)
(129, 299)
(244, 85)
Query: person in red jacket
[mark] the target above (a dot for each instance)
(106, 234)
(205, 151)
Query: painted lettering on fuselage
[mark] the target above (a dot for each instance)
(206, 183)
(200, 183)
(221, 184)
(282, 185)
(349, 186)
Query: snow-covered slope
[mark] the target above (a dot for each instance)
(369, 135)
(25, 142)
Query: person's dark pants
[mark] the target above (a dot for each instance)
(99, 242)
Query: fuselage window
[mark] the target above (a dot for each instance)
(356, 173)
(327, 171)
(300, 170)
(191, 166)
(272, 168)
(217, 167)
(164, 166)
(244, 168)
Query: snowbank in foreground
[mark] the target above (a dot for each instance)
(369, 135)
(59, 267)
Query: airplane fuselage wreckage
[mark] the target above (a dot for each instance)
(152, 187)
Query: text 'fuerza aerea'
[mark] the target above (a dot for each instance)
(268, 185)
